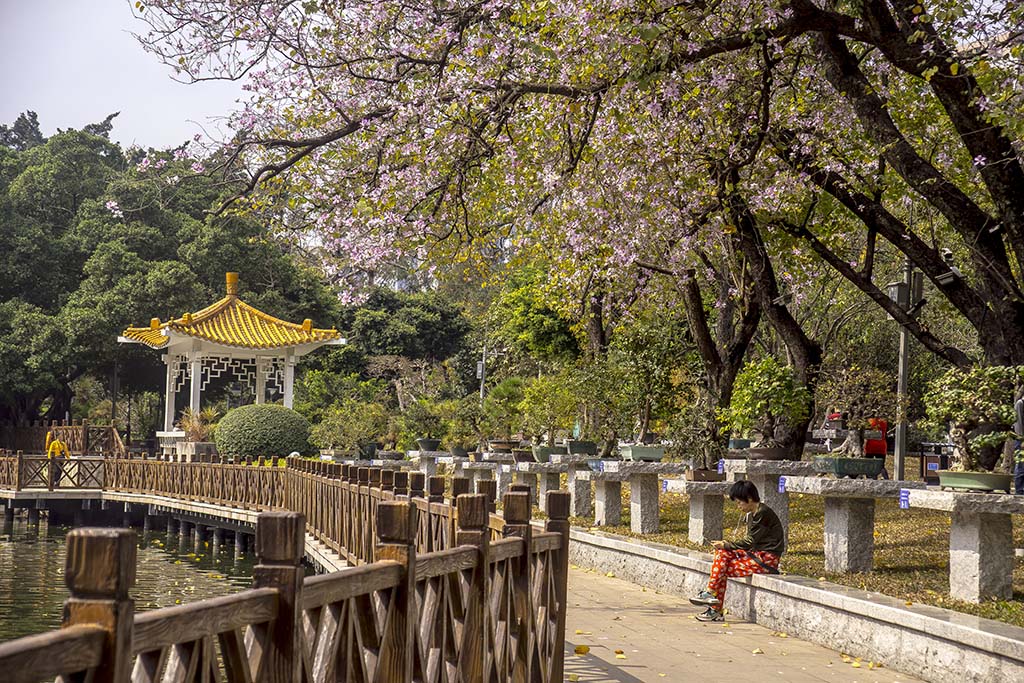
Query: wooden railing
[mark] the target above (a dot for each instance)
(81, 438)
(441, 593)
(19, 471)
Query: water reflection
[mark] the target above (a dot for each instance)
(170, 571)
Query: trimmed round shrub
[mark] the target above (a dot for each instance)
(262, 429)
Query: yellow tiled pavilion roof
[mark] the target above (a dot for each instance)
(232, 322)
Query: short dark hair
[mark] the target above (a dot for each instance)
(744, 491)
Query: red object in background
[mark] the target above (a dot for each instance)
(877, 446)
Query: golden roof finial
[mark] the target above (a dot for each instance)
(232, 283)
(307, 325)
(154, 323)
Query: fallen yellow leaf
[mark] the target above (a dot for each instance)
(758, 651)
(856, 665)
(620, 656)
(610, 574)
(618, 652)
(582, 649)
(574, 677)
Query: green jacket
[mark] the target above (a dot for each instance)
(764, 532)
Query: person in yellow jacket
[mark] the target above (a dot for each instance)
(55, 448)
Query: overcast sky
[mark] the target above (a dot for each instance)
(75, 61)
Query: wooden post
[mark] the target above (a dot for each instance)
(396, 541)
(50, 471)
(416, 483)
(435, 494)
(516, 510)
(280, 537)
(19, 471)
(387, 480)
(374, 477)
(522, 488)
(473, 531)
(460, 486)
(401, 483)
(99, 571)
(489, 488)
(558, 521)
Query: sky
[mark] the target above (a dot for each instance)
(74, 62)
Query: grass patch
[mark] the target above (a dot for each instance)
(911, 550)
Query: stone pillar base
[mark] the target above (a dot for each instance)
(607, 503)
(768, 486)
(529, 479)
(980, 556)
(504, 477)
(849, 535)
(549, 481)
(428, 466)
(706, 515)
(581, 502)
(643, 503)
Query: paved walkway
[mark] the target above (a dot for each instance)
(659, 640)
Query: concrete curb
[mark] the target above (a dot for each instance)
(928, 642)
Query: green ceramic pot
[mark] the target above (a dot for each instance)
(849, 467)
(639, 452)
(582, 447)
(544, 453)
(976, 481)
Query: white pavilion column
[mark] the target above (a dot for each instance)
(196, 360)
(169, 393)
(289, 380)
(261, 380)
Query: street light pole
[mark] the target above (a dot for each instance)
(905, 294)
(482, 373)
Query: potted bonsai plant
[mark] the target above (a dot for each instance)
(866, 399)
(423, 419)
(199, 427)
(548, 406)
(502, 414)
(976, 407)
(463, 425)
(765, 398)
(351, 426)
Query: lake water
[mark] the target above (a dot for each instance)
(32, 590)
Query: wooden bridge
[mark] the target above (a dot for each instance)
(439, 592)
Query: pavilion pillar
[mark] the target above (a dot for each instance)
(289, 379)
(261, 380)
(197, 381)
(169, 393)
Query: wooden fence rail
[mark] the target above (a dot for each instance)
(440, 593)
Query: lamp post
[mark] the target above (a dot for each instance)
(907, 295)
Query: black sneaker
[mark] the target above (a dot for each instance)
(710, 614)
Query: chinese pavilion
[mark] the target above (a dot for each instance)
(229, 336)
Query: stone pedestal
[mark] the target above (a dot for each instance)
(581, 501)
(428, 465)
(33, 516)
(607, 502)
(643, 503)
(768, 486)
(849, 534)
(764, 474)
(980, 556)
(529, 479)
(504, 476)
(706, 517)
(549, 481)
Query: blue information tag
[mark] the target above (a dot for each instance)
(600, 465)
(904, 499)
(721, 466)
(664, 485)
(782, 484)
(933, 466)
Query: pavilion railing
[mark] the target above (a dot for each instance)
(441, 593)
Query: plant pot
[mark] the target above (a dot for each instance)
(428, 444)
(390, 455)
(849, 467)
(767, 453)
(522, 455)
(976, 481)
(581, 447)
(502, 445)
(703, 475)
(366, 451)
(735, 444)
(639, 452)
(458, 452)
(544, 453)
(597, 464)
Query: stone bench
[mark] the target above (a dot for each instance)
(980, 540)
(643, 492)
(765, 475)
(427, 461)
(581, 499)
(541, 477)
(849, 516)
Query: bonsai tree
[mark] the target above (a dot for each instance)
(347, 425)
(976, 407)
(765, 398)
(199, 425)
(501, 408)
(548, 405)
(464, 422)
(423, 419)
(861, 394)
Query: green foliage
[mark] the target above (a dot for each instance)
(766, 396)
(262, 429)
(528, 325)
(502, 414)
(198, 425)
(347, 425)
(549, 405)
(976, 406)
(423, 419)
(464, 421)
(316, 391)
(422, 326)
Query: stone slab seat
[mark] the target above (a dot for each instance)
(930, 642)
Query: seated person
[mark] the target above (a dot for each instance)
(758, 552)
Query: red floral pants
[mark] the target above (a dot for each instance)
(736, 563)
